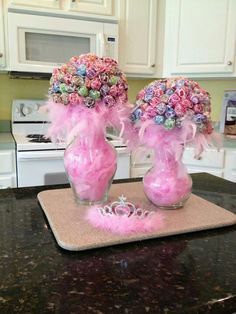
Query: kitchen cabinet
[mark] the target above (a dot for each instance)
(104, 7)
(2, 38)
(137, 37)
(211, 161)
(93, 7)
(141, 161)
(200, 38)
(7, 168)
(230, 165)
(221, 163)
(52, 4)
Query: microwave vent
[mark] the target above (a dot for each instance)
(29, 75)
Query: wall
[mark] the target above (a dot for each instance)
(37, 89)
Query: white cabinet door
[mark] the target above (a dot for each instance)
(211, 161)
(230, 165)
(101, 7)
(96, 7)
(2, 38)
(210, 158)
(214, 172)
(141, 161)
(7, 181)
(7, 161)
(137, 38)
(139, 172)
(7, 169)
(51, 4)
(200, 37)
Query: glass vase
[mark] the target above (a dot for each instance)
(167, 184)
(90, 165)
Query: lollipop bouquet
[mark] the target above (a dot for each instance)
(86, 95)
(168, 114)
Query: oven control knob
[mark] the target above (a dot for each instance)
(36, 107)
(26, 110)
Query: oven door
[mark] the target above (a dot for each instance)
(46, 167)
(123, 163)
(40, 168)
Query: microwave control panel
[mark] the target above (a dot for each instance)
(110, 44)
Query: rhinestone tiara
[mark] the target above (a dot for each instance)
(124, 209)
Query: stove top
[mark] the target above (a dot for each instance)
(30, 123)
(38, 138)
(40, 142)
(25, 142)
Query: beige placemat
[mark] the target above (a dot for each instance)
(73, 232)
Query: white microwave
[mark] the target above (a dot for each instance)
(40, 43)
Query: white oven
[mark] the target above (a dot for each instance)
(40, 168)
(40, 162)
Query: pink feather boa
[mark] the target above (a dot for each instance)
(151, 135)
(68, 121)
(124, 225)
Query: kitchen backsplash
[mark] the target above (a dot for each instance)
(37, 89)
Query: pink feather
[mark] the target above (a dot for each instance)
(124, 225)
(69, 121)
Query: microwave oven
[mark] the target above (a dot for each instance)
(39, 43)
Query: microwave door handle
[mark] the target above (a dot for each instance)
(40, 156)
(101, 44)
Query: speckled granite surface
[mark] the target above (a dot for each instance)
(6, 138)
(6, 141)
(5, 126)
(192, 273)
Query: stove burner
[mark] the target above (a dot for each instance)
(43, 140)
(34, 135)
(38, 138)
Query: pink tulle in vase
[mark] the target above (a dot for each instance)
(167, 184)
(90, 167)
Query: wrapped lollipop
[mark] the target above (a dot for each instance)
(87, 95)
(86, 90)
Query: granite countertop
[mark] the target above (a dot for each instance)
(191, 273)
(6, 138)
(6, 141)
(229, 142)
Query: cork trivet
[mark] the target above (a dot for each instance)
(73, 232)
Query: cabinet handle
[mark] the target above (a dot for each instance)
(148, 156)
(229, 62)
(153, 65)
(1, 54)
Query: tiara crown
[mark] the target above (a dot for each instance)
(123, 208)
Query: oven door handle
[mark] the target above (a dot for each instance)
(122, 150)
(40, 155)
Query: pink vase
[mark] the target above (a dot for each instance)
(167, 184)
(90, 166)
